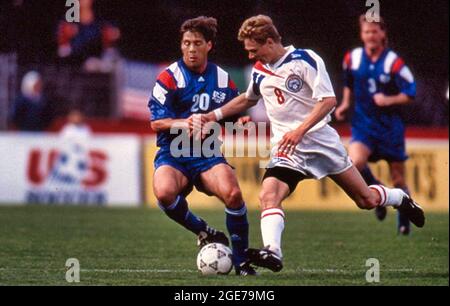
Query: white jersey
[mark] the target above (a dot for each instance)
(290, 88)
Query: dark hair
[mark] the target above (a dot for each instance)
(207, 26)
(259, 28)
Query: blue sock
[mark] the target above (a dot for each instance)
(237, 226)
(180, 213)
(401, 219)
(368, 176)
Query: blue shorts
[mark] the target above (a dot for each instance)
(390, 148)
(191, 167)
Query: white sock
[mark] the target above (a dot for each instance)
(389, 196)
(272, 226)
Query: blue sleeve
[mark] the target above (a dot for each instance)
(161, 103)
(404, 80)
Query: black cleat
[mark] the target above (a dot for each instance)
(244, 269)
(404, 230)
(211, 235)
(403, 224)
(380, 212)
(412, 211)
(264, 258)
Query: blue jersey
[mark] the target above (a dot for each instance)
(180, 92)
(388, 75)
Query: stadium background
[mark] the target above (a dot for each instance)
(115, 102)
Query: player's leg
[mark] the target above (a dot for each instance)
(273, 192)
(369, 197)
(168, 186)
(397, 170)
(221, 181)
(359, 154)
(355, 187)
(278, 183)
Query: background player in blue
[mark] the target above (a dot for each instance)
(191, 86)
(380, 82)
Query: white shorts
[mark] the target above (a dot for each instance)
(319, 154)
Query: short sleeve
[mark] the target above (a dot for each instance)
(404, 78)
(161, 101)
(314, 73)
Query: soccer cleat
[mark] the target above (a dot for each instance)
(264, 258)
(380, 212)
(403, 224)
(244, 269)
(211, 235)
(404, 230)
(412, 211)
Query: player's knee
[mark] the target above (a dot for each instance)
(268, 199)
(233, 198)
(165, 196)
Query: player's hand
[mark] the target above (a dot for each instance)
(209, 117)
(381, 100)
(341, 113)
(289, 142)
(242, 124)
(195, 124)
(244, 120)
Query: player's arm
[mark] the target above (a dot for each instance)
(319, 112)
(163, 125)
(404, 81)
(383, 100)
(161, 105)
(346, 102)
(314, 73)
(236, 106)
(345, 105)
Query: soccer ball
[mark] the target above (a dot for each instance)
(214, 258)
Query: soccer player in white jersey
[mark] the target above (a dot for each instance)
(299, 98)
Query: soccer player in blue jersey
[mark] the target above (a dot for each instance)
(189, 87)
(380, 83)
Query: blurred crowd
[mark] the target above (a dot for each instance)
(87, 46)
(91, 46)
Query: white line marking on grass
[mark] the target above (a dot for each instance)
(305, 270)
(137, 271)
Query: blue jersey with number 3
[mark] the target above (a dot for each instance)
(388, 75)
(180, 92)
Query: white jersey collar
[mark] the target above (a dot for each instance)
(289, 50)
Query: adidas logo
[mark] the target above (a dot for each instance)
(201, 79)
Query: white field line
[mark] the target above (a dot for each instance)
(137, 271)
(301, 270)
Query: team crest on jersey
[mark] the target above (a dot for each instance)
(219, 96)
(294, 83)
(384, 78)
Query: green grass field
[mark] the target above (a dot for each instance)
(143, 247)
